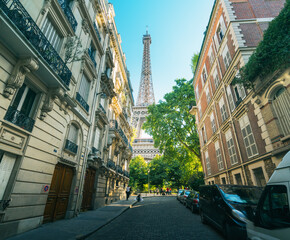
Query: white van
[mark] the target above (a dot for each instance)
(272, 215)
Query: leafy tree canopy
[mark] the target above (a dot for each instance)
(138, 173)
(273, 52)
(169, 121)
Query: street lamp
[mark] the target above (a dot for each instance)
(103, 95)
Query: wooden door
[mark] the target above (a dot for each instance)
(88, 189)
(58, 197)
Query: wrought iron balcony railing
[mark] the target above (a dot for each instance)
(82, 101)
(20, 119)
(68, 13)
(97, 31)
(126, 174)
(111, 164)
(70, 146)
(119, 169)
(23, 21)
(123, 136)
(102, 109)
(94, 150)
(91, 54)
(114, 124)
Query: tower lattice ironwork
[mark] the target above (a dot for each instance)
(146, 94)
(143, 144)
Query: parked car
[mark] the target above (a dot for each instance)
(192, 201)
(227, 207)
(178, 194)
(272, 215)
(184, 195)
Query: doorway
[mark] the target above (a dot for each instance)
(88, 189)
(58, 197)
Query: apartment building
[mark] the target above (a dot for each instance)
(65, 102)
(236, 143)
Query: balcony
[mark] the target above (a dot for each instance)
(19, 119)
(71, 147)
(102, 109)
(91, 53)
(126, 174)
(23, 21)
(82, 101)
(114, 124)
(111, 164)
(123, 136)
(68, 13)
(119, 169)
(97, 31)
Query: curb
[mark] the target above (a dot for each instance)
(84, 236)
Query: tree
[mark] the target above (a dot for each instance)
(169, 121)
(138, 173)
(194, 61)
(158, 172)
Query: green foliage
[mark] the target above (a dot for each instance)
(194, 60)
(169, 121)
(273, 52)
(158, 174)
(138, 173)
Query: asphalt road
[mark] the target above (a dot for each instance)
(157, 218)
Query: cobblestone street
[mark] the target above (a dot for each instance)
(157, 218)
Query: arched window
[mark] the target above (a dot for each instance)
(281, 107)
(72, 139)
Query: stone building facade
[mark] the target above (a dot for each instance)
(237, 141)
(65, 105)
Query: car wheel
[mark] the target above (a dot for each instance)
(202, 218)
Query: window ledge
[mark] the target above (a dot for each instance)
(285, 138)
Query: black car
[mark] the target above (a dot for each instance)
(227, 206)
(192, 201)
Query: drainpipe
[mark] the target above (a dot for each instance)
(90, 131)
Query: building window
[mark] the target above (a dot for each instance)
(219, 156)
(231, 99)
(97, 138)
(7, 162)
(226, 57)
(23, 108)
(204, 75)
(213, 126)
(92, 54)
(223, 110)
(248, 136)
(51, 34)
(196, 92)
(72, 139)
(221, 30)
(281, 107)
(207, 95)
(83, 93)
(231, 148)
(203, 131)
(201, 138)
(224, 180)
(200, 112)
(238, 179)
(211, 56)
(207, 163)
(259, 176)
(216, 79)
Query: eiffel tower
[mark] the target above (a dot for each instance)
(143, 144)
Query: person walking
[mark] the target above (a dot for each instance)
(128, 192)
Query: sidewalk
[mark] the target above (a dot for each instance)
(80, 226)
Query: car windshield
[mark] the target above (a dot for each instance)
(180, 190)
(244, 195)
(187, 193)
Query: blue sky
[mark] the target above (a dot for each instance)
(176, 27)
